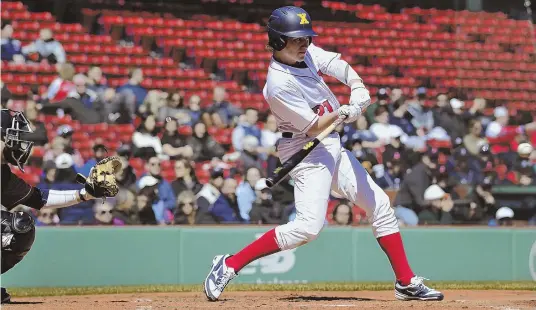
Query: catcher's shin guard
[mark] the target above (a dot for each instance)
(18, 235)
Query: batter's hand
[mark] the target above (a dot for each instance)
(360, 97)
(350, 113)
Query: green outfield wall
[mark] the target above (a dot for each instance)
(78, 256)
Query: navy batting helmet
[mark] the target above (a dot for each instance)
(288, 22)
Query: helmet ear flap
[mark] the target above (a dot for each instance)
(276, 41)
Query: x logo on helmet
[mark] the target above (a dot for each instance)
(303, 17)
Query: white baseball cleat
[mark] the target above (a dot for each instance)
(416, 290)
(219, 276)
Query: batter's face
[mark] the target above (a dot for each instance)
(295, 50)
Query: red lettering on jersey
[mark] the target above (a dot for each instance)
(321, 108)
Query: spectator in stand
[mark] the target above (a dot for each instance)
(145, 139)
(39, 136)
(480, 206)
(401, 117)
(116, 108)
(360, 131)
(54, 149)
(62, 143)
(145, 201)
(82, 93)
(406, 156)
(391, 174)
(265, 210)
(49, 173)
(11, 48)
(194, 110)
(60, 88)
(95, 80)
(409, 200)
(245, 192)
(249, 156)
(269, 138)
(221, 113)
(99, 153)
(225, 208)
(5, 95)
(422, 116)
(524, 174)
(46, 47)
(442, 100)
(126, 178)
(451, 119)
(383, 100)
(382, 129)
(473, 140)
(173, 108)
(246, 127)
(462, 172)
(186, 179)
(166, 196)
(185, 213)
(503, 217)
(124, 211)
(498, 128)
(47, 217)
(203, 145)
(342, 214)
(207, 196)
(154, 101)
(360, 152)
(439, 206)
(444, 179)
(103, 213)
(149, 186)
(135, 78)
(173, 144)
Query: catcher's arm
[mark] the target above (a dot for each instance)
(100, 183)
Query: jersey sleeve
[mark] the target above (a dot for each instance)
(15, 190)
(321, 57)
(292, 110)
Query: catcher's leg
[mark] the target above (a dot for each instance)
(18, 235)
(354, 183)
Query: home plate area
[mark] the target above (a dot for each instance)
(454, 299)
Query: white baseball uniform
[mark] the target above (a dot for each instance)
(294, 95)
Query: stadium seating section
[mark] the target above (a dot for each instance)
(486, 54)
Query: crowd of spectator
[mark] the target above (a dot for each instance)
(419, 147)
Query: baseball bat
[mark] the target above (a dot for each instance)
(282, 171)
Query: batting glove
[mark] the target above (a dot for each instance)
(350, 113)
(360, 96)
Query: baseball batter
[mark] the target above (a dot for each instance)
(304, 106)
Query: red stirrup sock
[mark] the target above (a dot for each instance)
(264, 246)
(394, 248)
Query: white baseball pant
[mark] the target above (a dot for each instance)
(330, 167)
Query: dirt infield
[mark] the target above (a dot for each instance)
(454, 299)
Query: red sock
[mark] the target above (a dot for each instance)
(394, 248)
(261, 247)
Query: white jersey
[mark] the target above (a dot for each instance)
(298, 96)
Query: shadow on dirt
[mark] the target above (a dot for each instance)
(25, 303)
(324, 298)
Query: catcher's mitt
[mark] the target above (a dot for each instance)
(101, 181)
